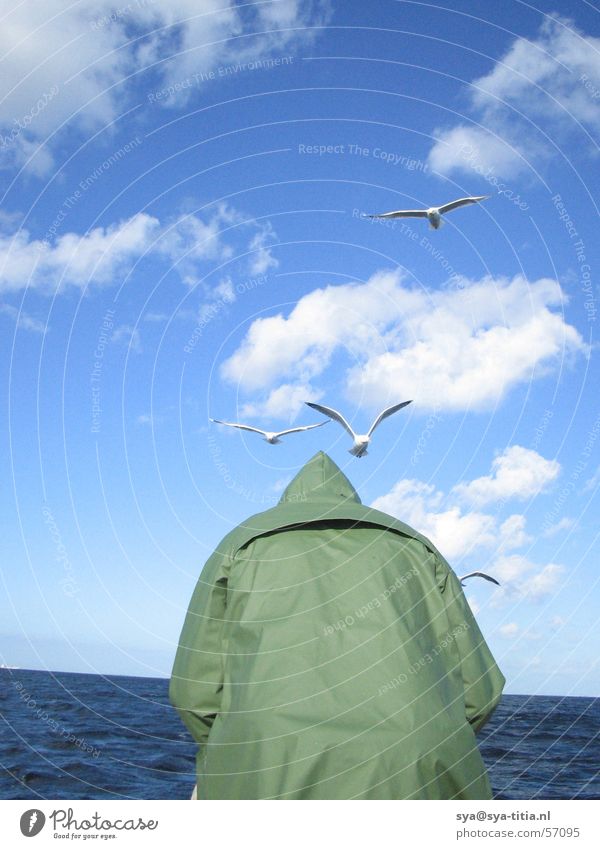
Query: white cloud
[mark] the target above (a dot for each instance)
(129, 336)
(542, 583)
(459, 349)
(156, 317)
(517, 473)
(512, 533)
(153, 420)
(42, 45)
(469, 148)
(262, 260)
(215, 299)
(23, 320)
(224, 290)
(79, 64)
(103, 255)
(420, 505)
(284, 403)
(191, 238)
(323, 320)
(458, 534)
(511, 629)
(542, 76)
(512, 568)
(591, 483)
(520, 578)
(73, 260)
(565, 524)
(543, 79)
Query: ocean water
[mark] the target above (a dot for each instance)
(70, 736)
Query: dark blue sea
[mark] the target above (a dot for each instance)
(70, 736)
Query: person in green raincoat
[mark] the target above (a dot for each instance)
(329, 653)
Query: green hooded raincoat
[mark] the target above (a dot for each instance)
(329, 653)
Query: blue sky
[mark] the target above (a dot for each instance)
(181, 238)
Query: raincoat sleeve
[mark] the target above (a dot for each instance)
(482, 680)
(197, 677)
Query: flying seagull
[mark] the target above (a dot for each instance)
(478, 575)
(361, 441)
(434, 213)
(273, 438)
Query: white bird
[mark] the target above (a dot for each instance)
(272, 437)
(478, 575)
(434, 213)
(361, 440)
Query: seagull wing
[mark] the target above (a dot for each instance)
(298, 429)
(333, 414)
(241, 426)
(454, 204)
(386, 413)
(401, 213)
(479, 575)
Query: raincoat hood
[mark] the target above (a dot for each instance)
(320, 492)
(320, 480)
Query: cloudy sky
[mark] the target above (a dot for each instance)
(181, 237)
